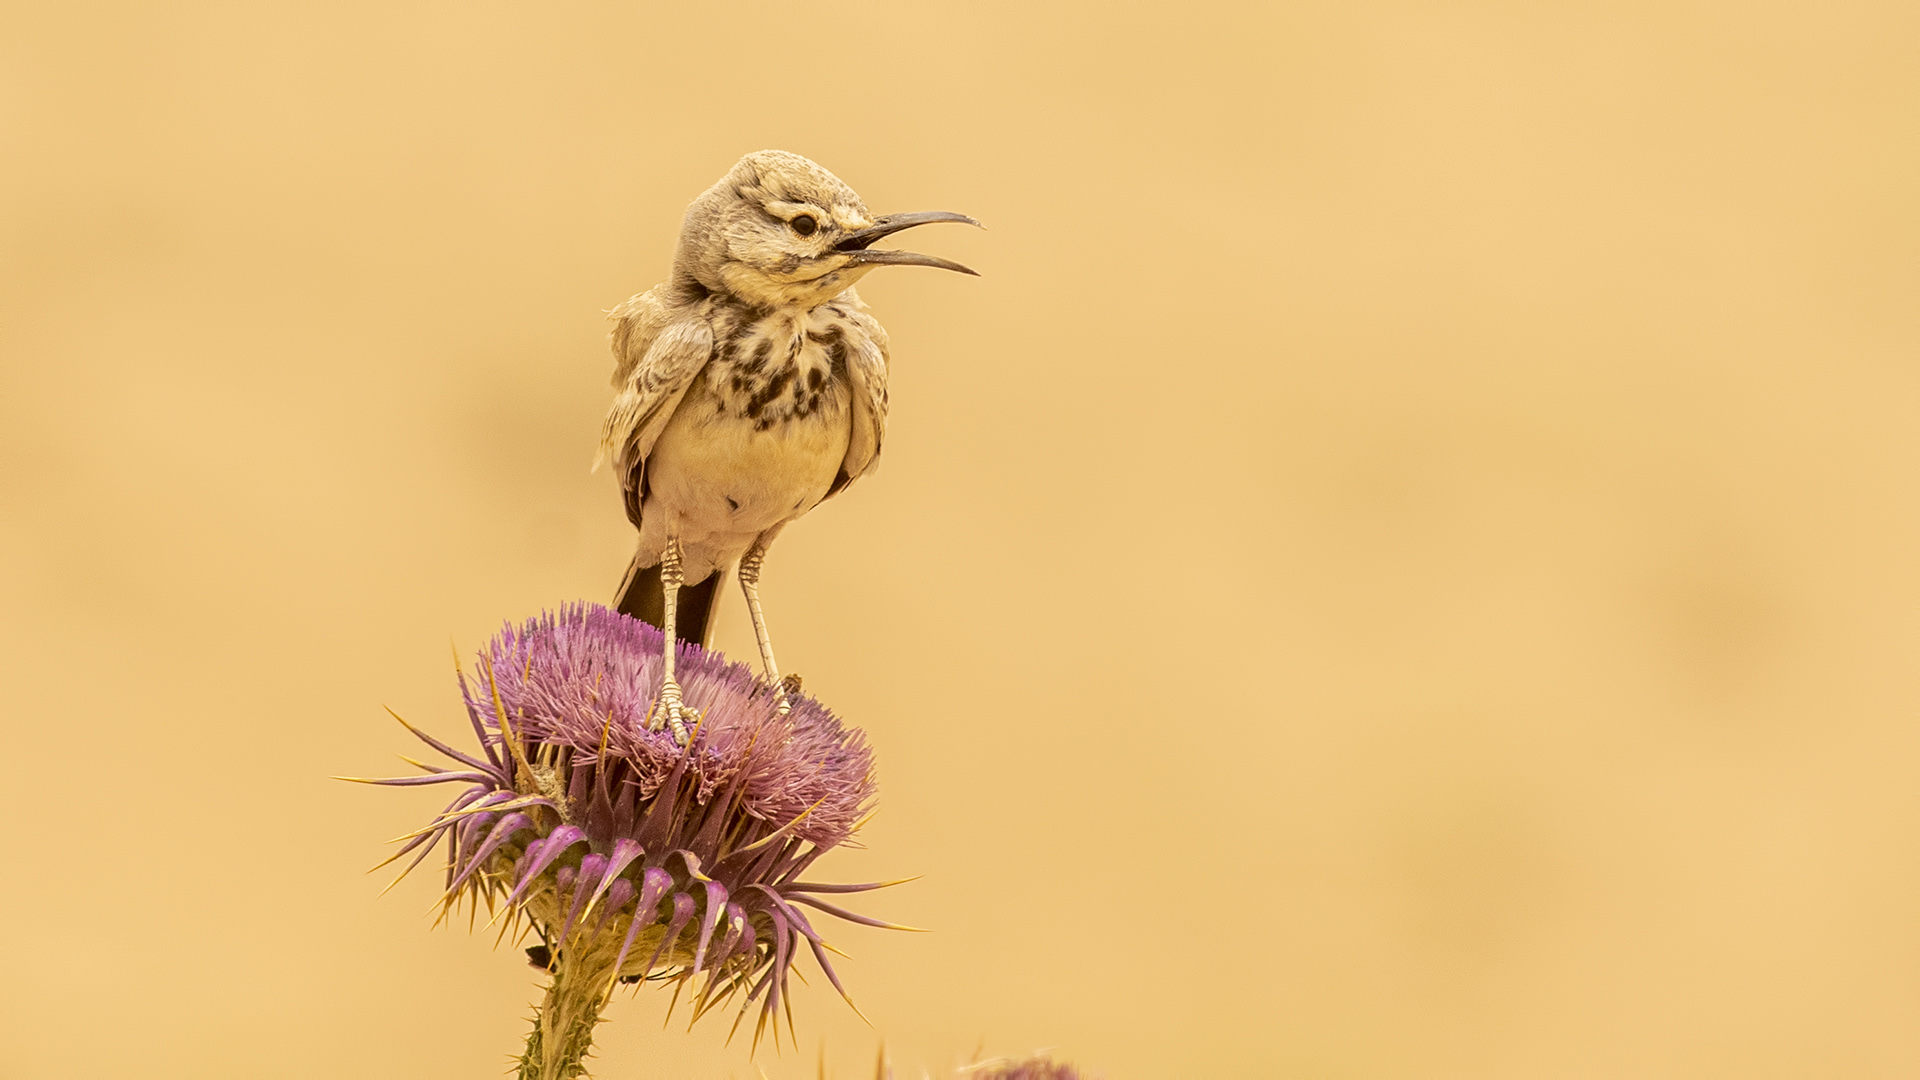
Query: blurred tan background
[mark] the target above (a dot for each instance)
(1402, 567)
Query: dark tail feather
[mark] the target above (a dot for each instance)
(642, 597)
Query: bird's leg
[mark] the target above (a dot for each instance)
(669, 709)
(750, 585)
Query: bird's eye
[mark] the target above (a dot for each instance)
(804, 225)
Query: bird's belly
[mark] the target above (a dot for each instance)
(721, 479)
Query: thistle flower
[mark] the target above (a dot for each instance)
(1039, 1067)
(631, 856)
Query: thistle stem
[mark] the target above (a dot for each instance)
(563, 1028)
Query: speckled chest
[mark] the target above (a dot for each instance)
(781, 366)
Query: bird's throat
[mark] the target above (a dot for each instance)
(762, 289)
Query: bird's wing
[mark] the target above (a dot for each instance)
(867, 372)
(658, 348)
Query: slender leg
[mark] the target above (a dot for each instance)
(669, 709)
(750, 585)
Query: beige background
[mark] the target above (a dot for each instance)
(1403, 567)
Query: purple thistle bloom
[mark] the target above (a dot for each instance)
(1037, 1067)
(630, 855)
(1033, 1068)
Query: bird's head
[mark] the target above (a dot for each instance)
(779, 229)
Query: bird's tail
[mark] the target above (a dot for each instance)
(642, 597)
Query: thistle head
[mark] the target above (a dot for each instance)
(1037, 1067)
(630, 855)
(779, 229)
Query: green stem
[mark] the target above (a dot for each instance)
(563, 1029)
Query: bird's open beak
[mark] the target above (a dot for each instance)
(857, 244)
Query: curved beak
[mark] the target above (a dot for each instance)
(858, 244)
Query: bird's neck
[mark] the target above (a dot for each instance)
(761, 289)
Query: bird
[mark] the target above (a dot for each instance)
(749, 387)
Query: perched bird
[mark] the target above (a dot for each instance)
(749, 386)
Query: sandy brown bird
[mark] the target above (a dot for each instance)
(750, 386)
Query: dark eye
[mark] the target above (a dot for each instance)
(804, 225)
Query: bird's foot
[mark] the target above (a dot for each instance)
(672, 712)
(789, 684)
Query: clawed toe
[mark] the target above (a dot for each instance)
(675, 715)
